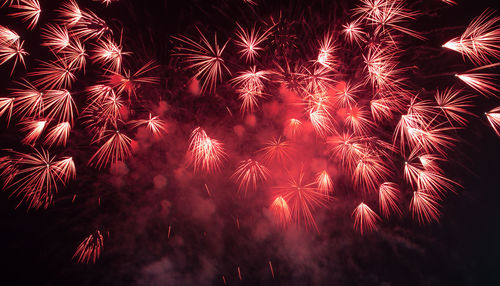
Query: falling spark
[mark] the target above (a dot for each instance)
(271, 267)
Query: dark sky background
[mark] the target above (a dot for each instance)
(142, 198)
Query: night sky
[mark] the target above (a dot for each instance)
(134, 203)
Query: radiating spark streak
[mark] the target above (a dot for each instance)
(365, 219)
(321, 122)
(249, 173)
(357, 119)
(90, 248)
(450, 2)
(381, 109)
(346, 94)
(250, 86)
(208, 190)
(87, 26)
(106, 2)
(75, 54)
(206, 60)
(369, 172)
(434, 183)
(8, 36)
(11, 47)
(424, 207)
(29, 12)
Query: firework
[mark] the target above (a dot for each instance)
(344, 104)
(55, 74)
(90, 248)
(303, 198)
(11, 47)
(59, 105)
(35, 129)
(249, 42)
(281, 211)
(484, 83)
(154, 125)
(249, 173)
(75, 54)
(327, 49)
(206, 154)
(453, 105)
(6, 106)
(388, 198)
(276, 150)
(250, 85)
(364, 218)
(324, 183)
(494, 119)
(117, 147)
(55, 37)
(481, 39)
(37, 178)
(424, 207)
(29, 11)
(205, 59)
(128, 82)
(28, 100)
(107, 52)
(58, 135)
